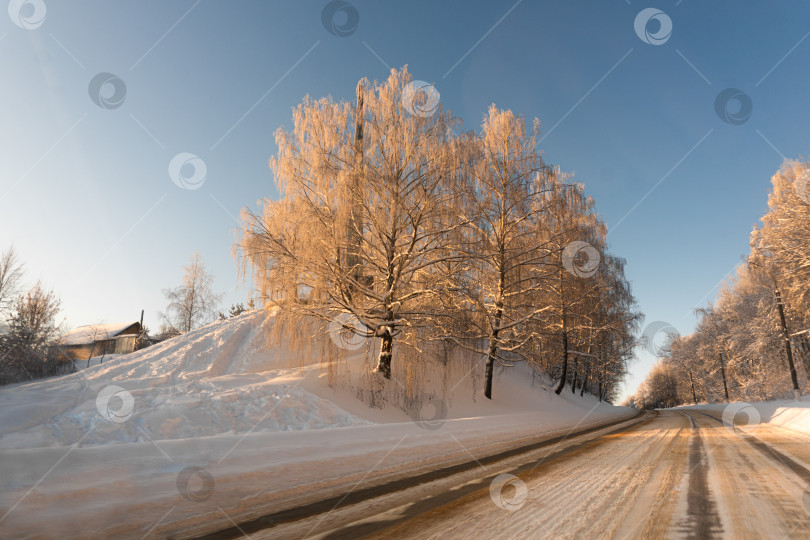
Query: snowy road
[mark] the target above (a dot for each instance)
(676, 474)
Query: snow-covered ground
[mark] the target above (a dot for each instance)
(788, 413)
(94, 361)
(677, 474)
(215, 425)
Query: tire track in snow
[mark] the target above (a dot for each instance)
(622, 483)
(585, 491)
(267, 523)
(800, 470)
(758, 495)
(702, 520)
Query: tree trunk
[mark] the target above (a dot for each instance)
(585, 380)
(601, 375)
(603, 383)
(493, 337)
(488, 387)
(574, 376)
(723, 372)
(386, 337)
(493, 347)
(355, 225)
(692, 382)
(796, 392)
(386, 348)
(561, 384)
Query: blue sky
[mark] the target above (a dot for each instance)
(86, 198)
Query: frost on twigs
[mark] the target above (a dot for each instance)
(407, 250)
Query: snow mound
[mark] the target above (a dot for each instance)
(784, 413)
(217, 380)
(226, 379)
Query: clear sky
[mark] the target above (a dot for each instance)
(87, 199)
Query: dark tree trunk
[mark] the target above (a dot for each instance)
(493, 348)
(692, 382)
(603, 383)
(488, 387)
(561, 384)
(723, 372)
(796, 392)
(601, 379)
(386, 348)
(574, 376)
(585, 380)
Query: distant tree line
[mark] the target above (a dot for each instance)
(752, 342)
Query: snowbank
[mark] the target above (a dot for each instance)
(215, 424)
(787, 413)
(204, 383)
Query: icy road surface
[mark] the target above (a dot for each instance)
(675, 474)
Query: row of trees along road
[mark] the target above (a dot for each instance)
(392, 215)
(752, 342)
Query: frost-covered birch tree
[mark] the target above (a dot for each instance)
(194, 303)
(367, 212)
(11, 273)
(406, 233)
(502, 199)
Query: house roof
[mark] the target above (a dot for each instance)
(90, 333)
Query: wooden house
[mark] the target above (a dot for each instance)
(99, 339)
